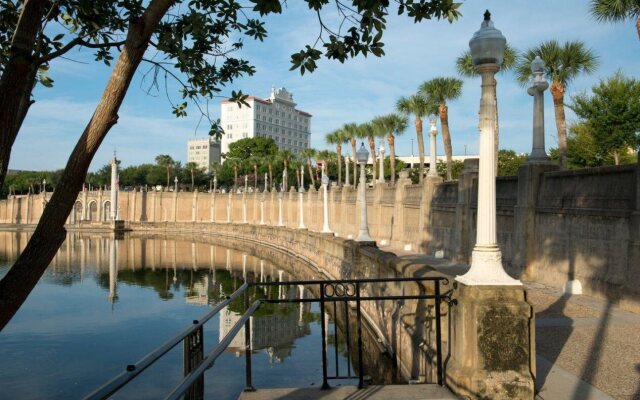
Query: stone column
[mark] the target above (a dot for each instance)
(396, 237)
(325, 203)
(492, 343)
(467, 192)
(229, 207)
(539, 85)
(114, 189)
(433, 156)
(262, 206)
(381, 177)
(301, 212)
(426, 206)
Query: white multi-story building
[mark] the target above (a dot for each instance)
(275, 117)
(203, 152)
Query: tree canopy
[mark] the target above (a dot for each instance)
(611, 114)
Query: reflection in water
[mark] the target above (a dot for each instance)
(152, 288)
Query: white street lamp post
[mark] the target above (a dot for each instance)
(175, 183)
(301, 200)
(363, 155)
(412, 154)
(381, 177)
(215, 183)
(114, 187)
(266, 182)
(487, 51)
(433, 155)
(325, 205)
(346, 163)
(538, 86)
(244, 199)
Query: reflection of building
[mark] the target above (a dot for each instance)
(274, 332)
(204, 292)
(275, 118)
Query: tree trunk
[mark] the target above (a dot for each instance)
(446, 137)
(372, 146)
(354, 161)
(285, 176)
(50, 232)
(192, 180)
(310, 168)
(420, 147)
(255, 179)
(616, 157)
(392, 157)
(18, 78)
(339, 151)
(557, 93)
(638, 27)
(168, 176)
(271, 175)
(235, 178)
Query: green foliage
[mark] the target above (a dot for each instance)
(615, 10)
(400, 165)
(456, 169)
(417, 105)
(611, 116)
(509, 161)
(563, 62)
(250, 147)
(441, 89)
(23, 182)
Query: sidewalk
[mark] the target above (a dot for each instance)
(586, 348)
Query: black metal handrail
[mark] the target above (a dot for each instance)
(192, 384)
(133, 370)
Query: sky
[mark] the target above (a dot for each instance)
(335, 93)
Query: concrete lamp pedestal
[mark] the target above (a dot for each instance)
(492, 343)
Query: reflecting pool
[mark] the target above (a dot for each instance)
(104, 303)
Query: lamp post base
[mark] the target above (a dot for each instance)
(486, 269)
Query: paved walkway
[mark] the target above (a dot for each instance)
(586, 348)
(396, 392)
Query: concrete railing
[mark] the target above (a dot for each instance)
(553, 226)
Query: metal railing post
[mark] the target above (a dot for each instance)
(325, 384)
(193, 353)
(359, 325)
(438, 333)
(247, 347)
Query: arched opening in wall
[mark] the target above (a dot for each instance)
(92, 211)
(77, 213)
(106, 211)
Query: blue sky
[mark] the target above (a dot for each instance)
(336, 93)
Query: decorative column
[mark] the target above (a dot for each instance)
(538, 86)
(433, 155)
(229, 207)
(280, 208)
(301, 200)
(492, 327)
(114, 188)
(244, 199)
(486, 259)
(381, 177)
(363, 236)
(325, 202)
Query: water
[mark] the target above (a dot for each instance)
(105, 303)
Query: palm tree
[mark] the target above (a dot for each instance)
(326, 156)
(165, 160)
(192, 167)
(441, 90)
(269, 159)
(285, 157)
(420, 108)
(616, 11)
(563, 64)
(367, 131)
(338, 138)
(254, 161)
(464, 65)
(351, 132)
(389, 124)
(234, 163)
(308, 154)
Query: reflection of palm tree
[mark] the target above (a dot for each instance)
(464, 65)
(562, 64)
